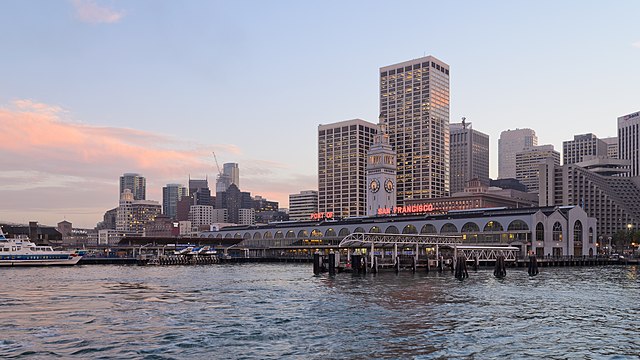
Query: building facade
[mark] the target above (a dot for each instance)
(136, 183)
(230, 175)
(342, 149)
(612, 147)
(201, 216)
(134, 215)
(303, 204)
(629, 141)
(414, 105)
(510, 143)
(585, 145)
(528, 161)
(597, 186)
(171, 195)
(469, 156)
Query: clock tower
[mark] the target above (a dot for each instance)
(381, 173)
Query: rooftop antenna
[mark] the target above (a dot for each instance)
(464, 124)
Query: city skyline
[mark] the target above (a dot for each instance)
(95, 89)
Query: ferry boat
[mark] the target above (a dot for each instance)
(21, 251)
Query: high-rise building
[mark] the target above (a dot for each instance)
(381, 174)
(510, 143)
(414, 105)
(612, 147)
(136, 183)
(629, 141)
(303, 204)
(171, 195)
(342, 149)
(199, 192)
(528, 164)
(585, 145)
(230, 175)
(133, 215)
(201, 216)
(469, 156)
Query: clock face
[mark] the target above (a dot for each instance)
(374, 185)
(388, 185)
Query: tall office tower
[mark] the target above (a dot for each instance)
(134, 182)
(302, 205)
(230, 175)
(134, 215)
(511, 142)
(469, 156)
(342, 149)
(381, 174)
(528, 164)
(629, 141)
(171, 194)
(199, 192)
(612, 147)
(585, 145)
(414, 104)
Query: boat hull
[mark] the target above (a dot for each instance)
(18, 261)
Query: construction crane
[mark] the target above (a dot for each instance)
(218, 165)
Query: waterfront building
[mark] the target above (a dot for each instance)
(342, 149)
(112, 237)
(381, 174)
(230, 175)
(557, 231)
(612, 147)
(585, 145)
(303, 204)
(599, 186)
(133, 215)
(469, 156)
(136, 183)
(527, 164)
(161, 226)
(414, 104)
(171, 194)
(65, 228)
(509, 144)
(629, 141)
(39, 234)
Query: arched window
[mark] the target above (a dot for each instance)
(256, 235)
(358, 230)
(330, 232)
(303, 234)
(278, 235)
(392, 230)
(344, 232)
(557, 231)
(470, 227)
(518, 225)
(409, 229)
(590, 235)
(493, 226)
(290, 234)
(539, 232)
(228, 236)
(237, 236)
(316, 234)
(428, 229)
(247, 236)
(219, 236)
(448, 228)
(577, 231)
(267, 235)
(210, 236)
(375, 230)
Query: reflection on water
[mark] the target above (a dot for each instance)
(275, 311)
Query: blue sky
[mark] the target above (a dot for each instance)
(154, 86)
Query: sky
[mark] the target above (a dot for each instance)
(92, 89)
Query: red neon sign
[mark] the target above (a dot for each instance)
(409, 209)
(322, 215)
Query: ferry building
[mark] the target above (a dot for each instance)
(543, 231)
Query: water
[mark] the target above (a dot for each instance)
(282, 311)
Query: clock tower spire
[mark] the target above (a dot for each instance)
(381, 173)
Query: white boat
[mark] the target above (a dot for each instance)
(21, 252)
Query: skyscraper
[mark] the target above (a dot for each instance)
(199, 192)
(342, 149)
(230, 175)
(528, 164)
(510, 143)
(585, 145)
(469, 156)
(302, 205)
(612, 147)
(171, 194)
(414, 104)
(134, 182)
(629, 141)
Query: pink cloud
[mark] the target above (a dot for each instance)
(90, 12)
